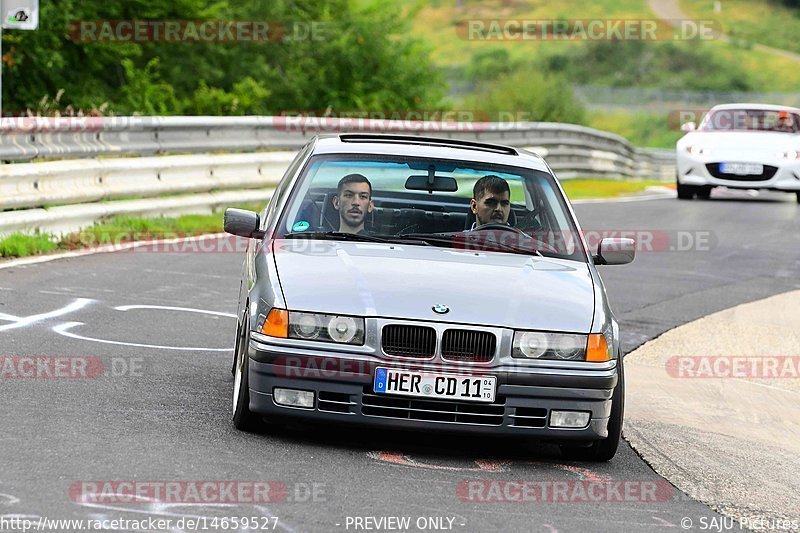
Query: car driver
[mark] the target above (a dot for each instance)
(491, 201)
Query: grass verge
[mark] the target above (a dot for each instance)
(114, 230)
(589, 188)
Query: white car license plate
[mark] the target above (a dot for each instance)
(741, 169)
(427, 385)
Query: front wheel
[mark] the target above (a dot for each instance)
(243, 418)
(704, 193)
(604, 449)
(685, 192)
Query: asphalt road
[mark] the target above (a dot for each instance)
(162, 414)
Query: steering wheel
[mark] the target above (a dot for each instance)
(541, 245)
(504, 227)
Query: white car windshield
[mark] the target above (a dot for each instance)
(429, 202)
(751, 120)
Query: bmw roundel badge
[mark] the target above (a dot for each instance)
(441, 309)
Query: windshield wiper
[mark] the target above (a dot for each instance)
(428, 238)
(342, 236)
(454, 240)
(335, 235)
(514, 249)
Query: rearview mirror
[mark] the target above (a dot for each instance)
(431, 184)
(242, 223)
(688, 126)
(615, 251)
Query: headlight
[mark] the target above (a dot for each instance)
(326, 328)
(558, 346)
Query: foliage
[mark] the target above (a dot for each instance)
(21, 245)
(643, 64)
(640, 128)
(528, 95)
(358, 56)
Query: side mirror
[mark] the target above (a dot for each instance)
(688, 126)
(242, 223)
(615, 251)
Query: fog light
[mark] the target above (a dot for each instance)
(294, 398)
(569, 419)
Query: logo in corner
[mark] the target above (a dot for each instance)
(19, 16)
(441, 309)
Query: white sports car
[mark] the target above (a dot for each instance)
(743, 146)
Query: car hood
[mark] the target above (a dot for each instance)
(402, 281)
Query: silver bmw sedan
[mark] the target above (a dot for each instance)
(427, 284)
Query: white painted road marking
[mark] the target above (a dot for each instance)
(63, 329)
(168, 308)
(21, 322)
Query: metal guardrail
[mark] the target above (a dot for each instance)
(26, 139)
(92, 170)
(81, 181)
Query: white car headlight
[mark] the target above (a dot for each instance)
(326, 328)
(342, 328)
(791, 154)
(558, 346)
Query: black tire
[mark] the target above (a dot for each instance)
(704, 193)
(685, 192)
(243, 418)
(604, 449)
(798, 197)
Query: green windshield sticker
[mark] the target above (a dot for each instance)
(302, 225)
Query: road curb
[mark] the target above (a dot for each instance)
(705, 410)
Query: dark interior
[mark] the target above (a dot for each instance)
(398, 212)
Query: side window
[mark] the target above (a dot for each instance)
(283, 186)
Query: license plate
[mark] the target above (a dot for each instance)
(427, 385)
(741, 169)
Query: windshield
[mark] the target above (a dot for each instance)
(751, 120)
(429, 202)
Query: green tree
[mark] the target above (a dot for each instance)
(358, 57)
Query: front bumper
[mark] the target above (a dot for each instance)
(343, 391)
(700, 171)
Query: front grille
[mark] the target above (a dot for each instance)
(409, 341)
(768, 173)
(335, 402)
(432, 410)
(469, 346)
(529, 417)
